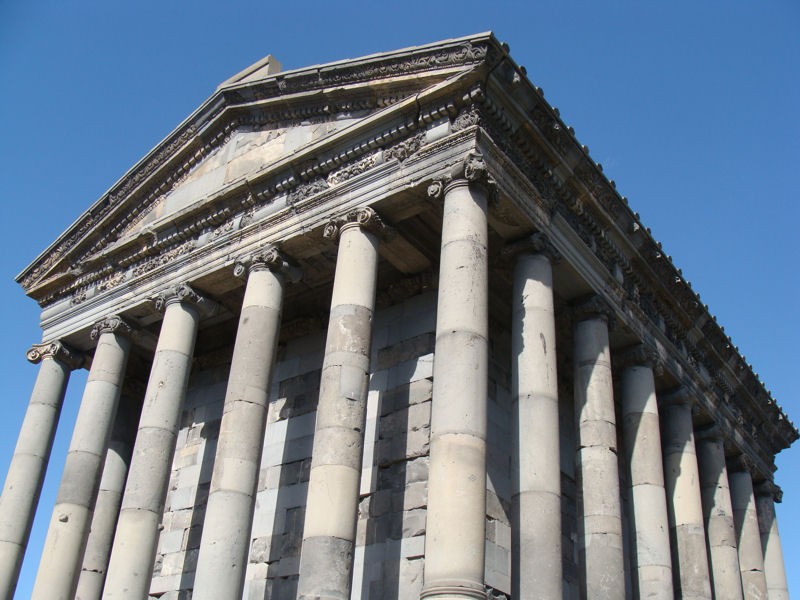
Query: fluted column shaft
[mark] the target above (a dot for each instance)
(104, 522)
(642, 438)
(133, 553)
(723, 556)
(326, 559)
(229, 515)
(29, 462)
(684, 505)
(62, 556)
(600, 520)
(455, 530)
(536, 466)
(751, 557)
(774, 567)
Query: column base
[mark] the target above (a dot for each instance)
(454, 590)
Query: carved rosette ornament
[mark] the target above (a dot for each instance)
(364, 217)
(592, 307)
(471, 169)
(57, 351)
(538, 243)
(111, 324)
(268, 257)
(183, 293)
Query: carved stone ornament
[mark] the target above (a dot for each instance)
(465, 119)
(364, 217)
(712, 432)
(269, 257)
(769, 488)
(472, 168)
(592, 307)
(308, 189)
(538, 243)
(57, 351)
(638, 355)
(111, 324)
(741, 463)
(182, 293)
(679, 396)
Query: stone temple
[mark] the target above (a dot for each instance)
(381, 328)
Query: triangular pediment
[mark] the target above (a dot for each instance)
(245, 153)
(256, 120)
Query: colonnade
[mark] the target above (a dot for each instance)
(698, 524)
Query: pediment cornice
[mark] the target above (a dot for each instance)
(372, 83)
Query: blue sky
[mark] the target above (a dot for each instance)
(690, 106)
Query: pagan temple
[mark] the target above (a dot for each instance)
(381, 328)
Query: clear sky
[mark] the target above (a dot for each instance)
(692, 107)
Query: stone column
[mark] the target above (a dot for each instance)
(642, 438)
(723, 556)
(745, 519)
(225, 543)
(131, 565)
(62, 555)
(456, 517)
(774, 567)
(104, 521)
(599, 507)
(29, 462)
(326, 558)
(536, 464)
(684, 505)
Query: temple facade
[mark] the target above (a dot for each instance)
(382, 328)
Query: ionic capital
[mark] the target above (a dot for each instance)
(268, 257)
(680, 396)
(638, 356)
(769, 489)
(363, 217)
(471, 170)
(57, 351)
(593, 307)
(184, 294)
(111, 324)
(740, 464)
(538, 243)
(709, 433)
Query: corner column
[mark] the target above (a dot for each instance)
(326, 558)
(684, 505)
(536, 569)
(69, 525)
(642, 438)
(225, 541)
(723, 556)
(745, 519)
(456, 517)
(767, 494)
(131, 565)
(29, 462)
(600, 521)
